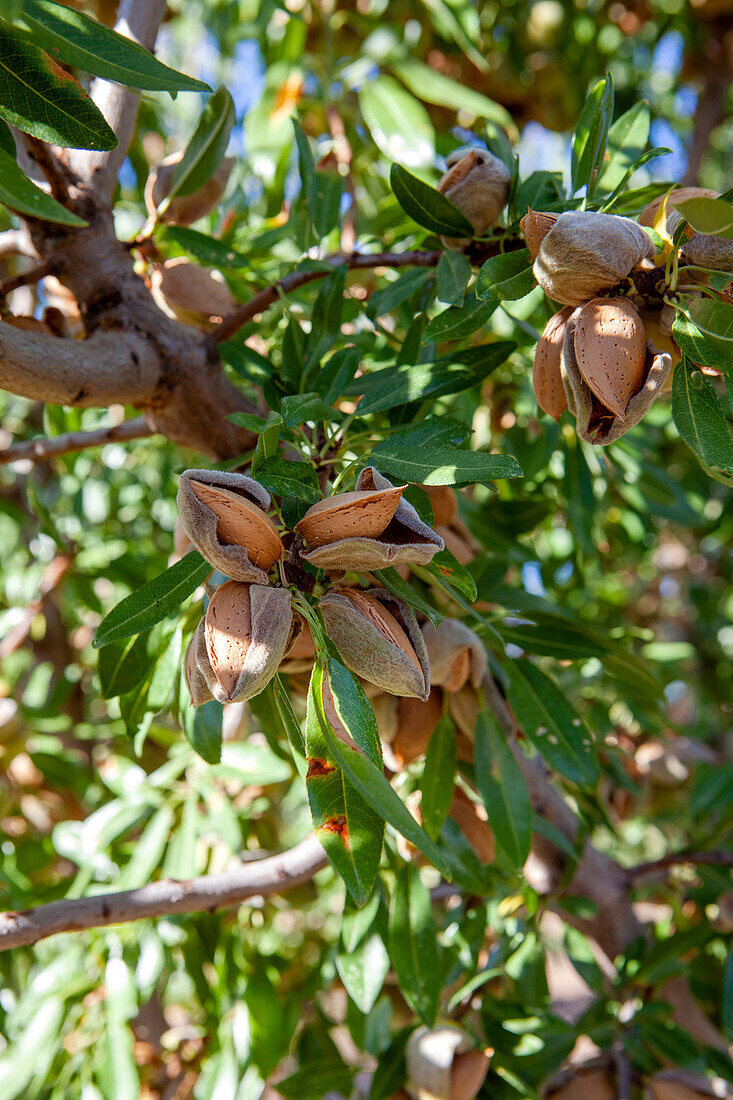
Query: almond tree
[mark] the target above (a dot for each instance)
(389, 458)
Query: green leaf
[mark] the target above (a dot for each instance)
(353, 706)
(591, 136)
(708, 215)
(427, 206)
(77, 39)
(453, 275)
(20, 194)
(391, 579)
(503, 790)
(300, 407)
(551, 724)
(156, 600)
(447, 567)
(703, 328)
(204, 152)
(363, 970)
(202, 727)
(413, 944)
(40, 98)
(390, 297)
(267, 441)
(506, 277)
(348, 827)
(398, 122)
(627, 140)
(207, 250)
(726, 1011)
(336, 374)
(442, 465)
(284, 477)
(434, 87)
(458, 321)
(307, 168)
(320, 1077)
(122, 665)
(390, 1074)
(396, 386)
(438, 777)
(7, 141)
(700, 418)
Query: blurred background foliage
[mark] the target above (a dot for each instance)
(634, 543)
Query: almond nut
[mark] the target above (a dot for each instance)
(246, 631)
(610, 349)
(477, 183)
(546, 372)
(184, 209)
(349, 515)
(239, 522)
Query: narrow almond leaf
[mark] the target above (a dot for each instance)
(353, 708)
(708, 215)
(391, 579)
(413, 944)
(503, 790)
(40, 98)
(20, 194)
(438, 777)
(363, 971)
(506, 277)
(156, 600)
(202, 727)
(205, 150)
(347, 826)
(77, 39)
(458, 321)
(700, 419)
(442, 465)
(551, 724)
(398, 122)
(426, 205)
(452, 277)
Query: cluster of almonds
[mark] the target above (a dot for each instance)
(412, 674)
(249, 626)
(594, 356)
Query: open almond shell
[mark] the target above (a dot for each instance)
(396, 662)
(405, 540)
(594, 422)
(247, 629)
(257, 545)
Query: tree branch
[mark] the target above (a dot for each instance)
(24, 278)
(353, 260)
(105, 369)
(138, 20)
(40, 450)
(675, 859)
(261, 878)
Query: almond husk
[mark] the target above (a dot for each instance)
(201, 523)
(184, 209)
(477, 183)
(595, 423)
(405, 539)
(444, 503)
(546, 372)
(189, 293)
(610, 350)
(456, 655)
(349, 515)
(472, 820)
(247, 629)
(442, 1066)
(379, 639)
(586, 252)
(198, 688)
(679, 1084)
(534, 227)
(416, 722)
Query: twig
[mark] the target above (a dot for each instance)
(261, 878)
(38, 450)
(710, 859)
(296, 279)
(24, 278)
